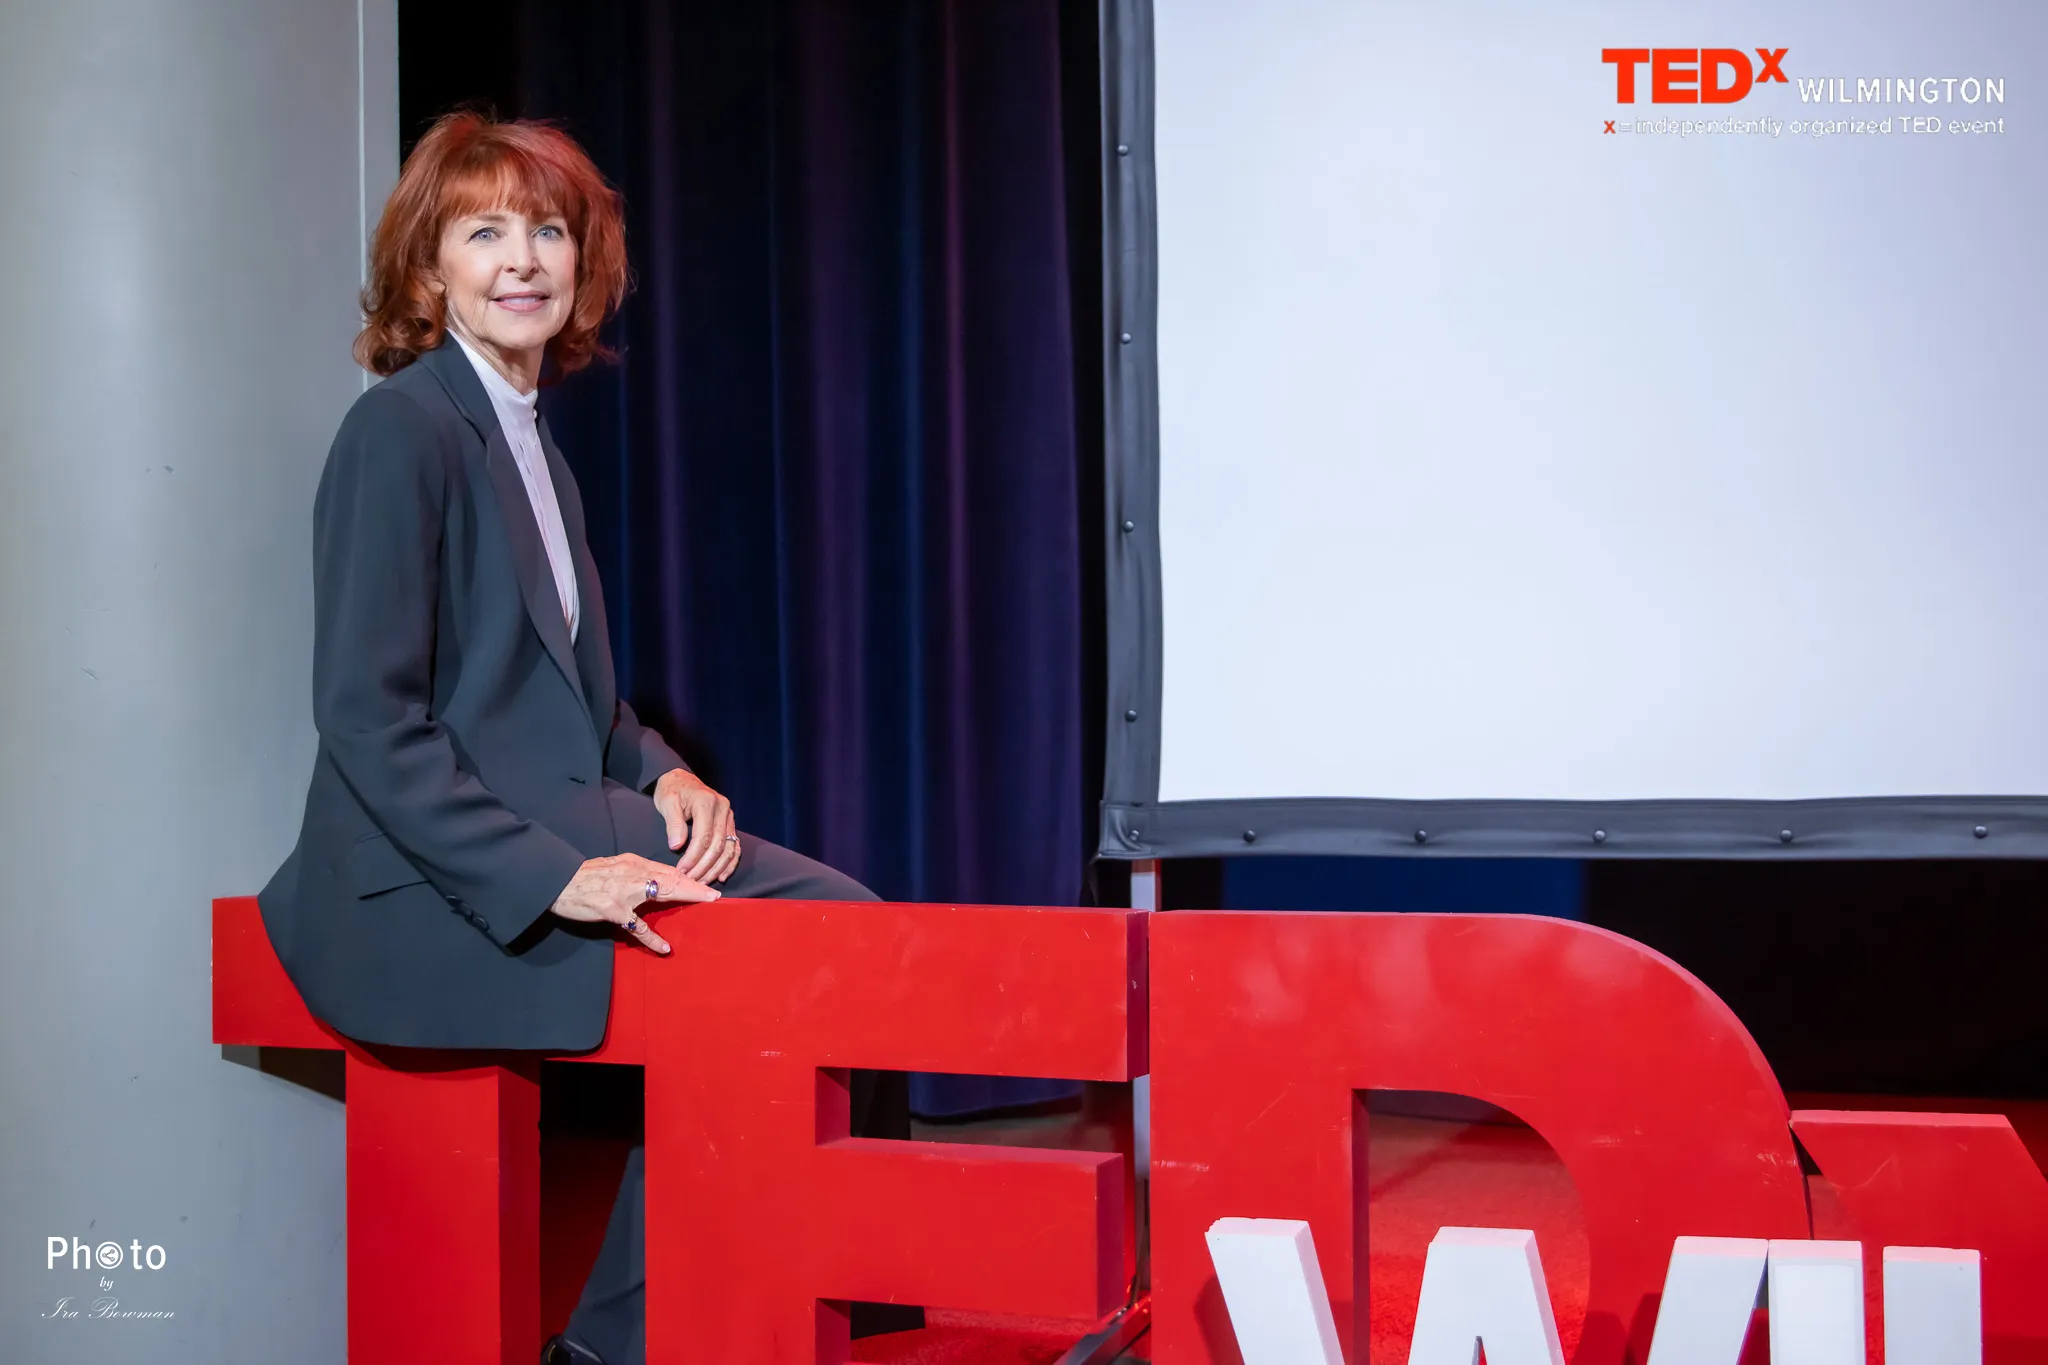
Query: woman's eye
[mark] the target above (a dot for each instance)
(481, 233)
(551, 231)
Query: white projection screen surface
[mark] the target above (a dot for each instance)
(1583, 491)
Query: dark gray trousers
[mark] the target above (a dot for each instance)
(611, 1318)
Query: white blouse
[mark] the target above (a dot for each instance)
(519, 416)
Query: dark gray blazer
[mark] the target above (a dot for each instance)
(470, 758)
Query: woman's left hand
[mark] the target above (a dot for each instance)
(694, 810)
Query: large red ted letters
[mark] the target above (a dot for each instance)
(764, 1217)
(1692, 75)
(1261, 1033)
(1269, 1028)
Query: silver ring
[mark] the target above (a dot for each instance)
(632, 924)
(732, 838)
(653, 889)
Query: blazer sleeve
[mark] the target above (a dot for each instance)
(376, 584)
(637, 755)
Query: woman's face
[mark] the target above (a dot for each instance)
(510, 280)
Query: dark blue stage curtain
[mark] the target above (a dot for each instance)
(1444, 886)
(834, 484)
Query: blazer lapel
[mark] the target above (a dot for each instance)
(593, 642)
(522, 532)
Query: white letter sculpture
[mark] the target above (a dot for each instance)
(1933, 1307)
(1273, 1289)
(1484, 1287)
(1816, 1299)
(1709, 1296)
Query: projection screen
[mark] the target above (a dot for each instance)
(1511, 453)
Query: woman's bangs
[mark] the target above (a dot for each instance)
(509, 182)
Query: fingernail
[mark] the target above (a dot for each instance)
(664, 950)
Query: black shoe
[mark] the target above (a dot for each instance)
(562, 1351)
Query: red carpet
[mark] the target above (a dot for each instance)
(1426, 1173)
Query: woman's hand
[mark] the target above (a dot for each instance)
(612, 890)
(693, 808)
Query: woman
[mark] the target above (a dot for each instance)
(486, 815)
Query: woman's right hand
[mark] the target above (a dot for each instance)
(613, 890)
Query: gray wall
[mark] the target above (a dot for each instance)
(185, 183)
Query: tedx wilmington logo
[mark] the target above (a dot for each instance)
(1728, 75)
(74, 1254)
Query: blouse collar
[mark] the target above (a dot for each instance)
(496, 385)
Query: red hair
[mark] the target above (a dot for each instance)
(468, 163)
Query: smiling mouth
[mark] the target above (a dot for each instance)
(521, 303)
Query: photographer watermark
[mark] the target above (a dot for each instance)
(75, 1253)
(105, 1255)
